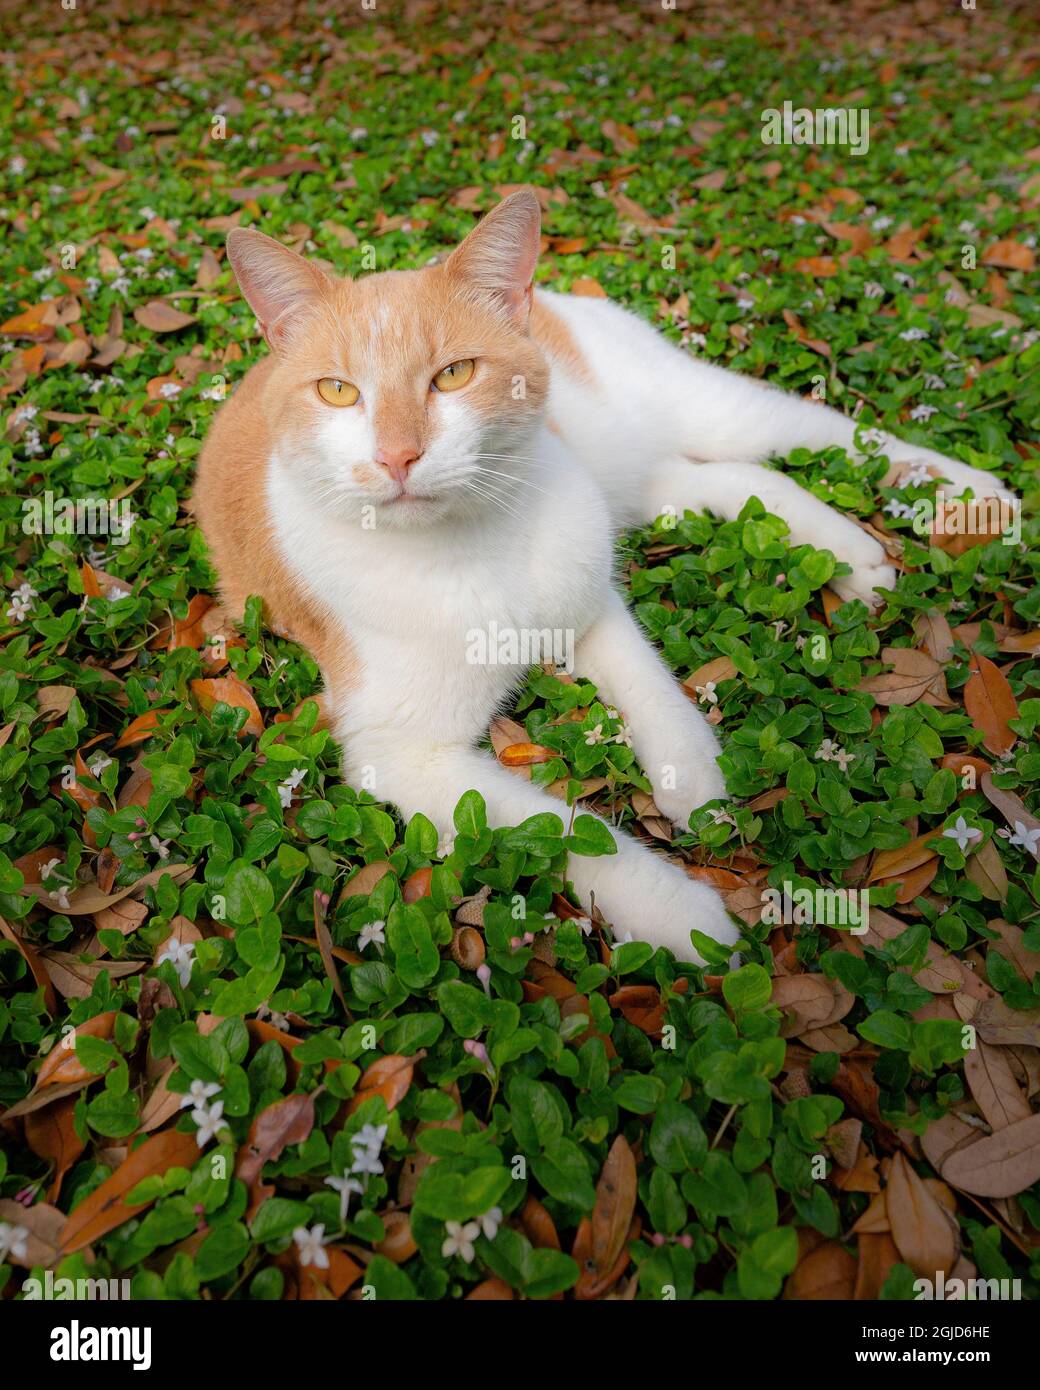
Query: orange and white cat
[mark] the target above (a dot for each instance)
(428, 453)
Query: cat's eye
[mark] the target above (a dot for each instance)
(454, 376)
(336, 392)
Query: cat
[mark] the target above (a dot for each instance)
(427, 453)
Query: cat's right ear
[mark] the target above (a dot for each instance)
(279, 285)
(498, 257)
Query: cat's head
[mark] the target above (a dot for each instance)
(414, 394)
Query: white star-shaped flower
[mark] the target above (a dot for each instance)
(310, 1246)
(490, 1222)
(198, 1093)
(210, 1119)
(1026, 839)
(963, 833)
(372, 932)
(459, 1240)
(14, 1240)
(181, 955)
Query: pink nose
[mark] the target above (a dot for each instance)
(397, 459)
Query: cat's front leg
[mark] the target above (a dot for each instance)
(674, 743)
(638, 892)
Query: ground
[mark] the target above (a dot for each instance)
(198, 1010)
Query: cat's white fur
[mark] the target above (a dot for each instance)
(644, 427)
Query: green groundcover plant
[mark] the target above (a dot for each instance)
(260, 1039)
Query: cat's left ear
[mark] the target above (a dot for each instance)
(499, 255)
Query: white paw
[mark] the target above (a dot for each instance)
(694, 786)
(962, 476)
(862, 582)
(648, 897)
(698, 907)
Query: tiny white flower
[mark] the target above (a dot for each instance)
(584, 924)
(366, 1145)
(917, 475)
(594, 736)
(721, 817)
(445, 847)
(372, 933)
(1026, 839)
(881, 223)
(210, 1119)
(459, 1240)
(14, 1240)
(310, 1246)
(825, 752)
(624, 735)
(344, 1186)
(843, 759)
(872, 290)
(289, 785)
(963, 833)
(923, 412)
(706, 693)
(199, 1093)
(181, 955)
(933, 382)
(490, 1222)
(913, 335)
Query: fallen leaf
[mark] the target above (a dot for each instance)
(44, 1223)
(389, 1077)
(61, 1064)
(229, 690)
(999, 1165)
(988, 1073)
(51, 1134)
(826, 1273)
(925, 1234)
(160, 317)
(287, 1121)
(105, 1207)
(615, 1204)
(1009, 255)
(989, 702)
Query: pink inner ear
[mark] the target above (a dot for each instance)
(277, 283)
(501, 252)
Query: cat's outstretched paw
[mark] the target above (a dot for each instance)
(863, 581)
(955, 478)
(695, 788)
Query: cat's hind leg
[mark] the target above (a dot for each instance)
(677, 485)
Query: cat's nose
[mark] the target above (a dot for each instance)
(397, 459)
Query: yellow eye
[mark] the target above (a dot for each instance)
(454, 376)
(336, 392)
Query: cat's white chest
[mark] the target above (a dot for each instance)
(454, 615)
